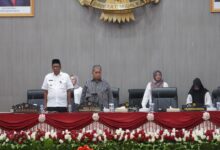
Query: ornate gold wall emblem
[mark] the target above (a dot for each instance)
(119, 11)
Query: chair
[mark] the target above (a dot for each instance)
(135, 97)
(163, 98)
(35, 96)
(115, 93)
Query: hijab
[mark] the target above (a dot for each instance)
(155, 83)
(198, 96)
(76, 86)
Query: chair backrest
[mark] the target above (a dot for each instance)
(135, 97)
(164, 98)
(216, 95)
(115, 93)
(35, 96)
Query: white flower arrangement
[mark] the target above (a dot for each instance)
(120, 135)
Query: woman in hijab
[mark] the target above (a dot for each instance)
(198, 94)
(77, 92)
(157, 82)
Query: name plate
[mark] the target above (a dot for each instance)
(118, 5)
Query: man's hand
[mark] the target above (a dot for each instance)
(69, 101)
(45, 99)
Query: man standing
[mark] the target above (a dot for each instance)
(57, 86)
(97, 90)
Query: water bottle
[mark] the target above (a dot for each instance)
(111, 107)
(151, 107)
(218, 105)
(12, 109)
(69, 108)
(41, 109)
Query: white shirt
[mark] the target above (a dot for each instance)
(57, 86)
(77, 95)
(147, 94)
(208, 99)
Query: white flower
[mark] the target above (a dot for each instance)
(47, 135)
(174, 130)
(207, 138)
(218, 138)
(83, 130)
(67, 131)
(217, 131)
(28, 137)
(206, 116)
(79, 136)
(95, 116)
(61, 141)
(53, 134)
(150, 117)
(95, 135)
(126, 137)
(178, 139)
(99, 132)
(152, 140)
(157, 136)
(203, 137)
(173, 134)
(3, 136)
(184, 139)
(68, 137)
(184, 130)
(119, 131)
(120, 138)
(138, 130)
(105, 137)
(99, 138)
(33, 135)
(127, 131)
(41, 118)
(199, 141)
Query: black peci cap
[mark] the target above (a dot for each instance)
(56, 61)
